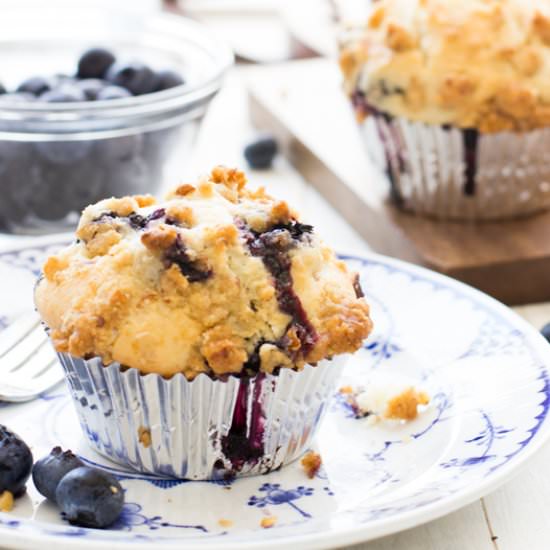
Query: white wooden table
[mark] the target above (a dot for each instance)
(516, 516)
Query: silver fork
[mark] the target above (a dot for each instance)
(28, 363)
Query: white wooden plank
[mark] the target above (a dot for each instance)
(519, 511)
(537, 314)
(462, 530)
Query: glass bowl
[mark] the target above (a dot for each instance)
(56, 158)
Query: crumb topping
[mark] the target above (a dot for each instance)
(216, 279)
(470, 63)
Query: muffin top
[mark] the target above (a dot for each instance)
(481, 64)
(216, 279)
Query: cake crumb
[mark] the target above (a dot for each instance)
(225, 523)
(311, 463)
(268, 522)
(6, 502)
(405, 405)
(144, 436)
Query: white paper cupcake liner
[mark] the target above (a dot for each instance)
(451, 173)
(203, 429)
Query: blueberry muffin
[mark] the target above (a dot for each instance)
(226, 301)
(456, 93)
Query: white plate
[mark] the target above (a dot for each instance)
(485, 368)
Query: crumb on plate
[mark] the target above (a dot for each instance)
(268, 522)
(311, 462)
(225, 523)
(144, 436)
(6, 502)
(405, 405)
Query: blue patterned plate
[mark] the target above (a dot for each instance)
(485, 369)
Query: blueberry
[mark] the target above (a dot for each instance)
(65, 93)
(91, 87)
(90, 498)
(119, 148)
(177, 254)
(15, 462)
(129, 177)
(136, 77)
(167, 79)
(260, 153)
(95, 63)
(48, 471)
(37, 85)
(113, 92)
(63, 152)
(55, 190)
(545, 331)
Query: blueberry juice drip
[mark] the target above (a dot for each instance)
(470, 139)
(244, 443)
(391, 141)
(273, 246)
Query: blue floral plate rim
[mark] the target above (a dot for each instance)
(29, 533)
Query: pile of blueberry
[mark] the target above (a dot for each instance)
(86, 496)
(99, 76)
(46, 183)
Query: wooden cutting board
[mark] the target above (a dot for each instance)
(302, 103)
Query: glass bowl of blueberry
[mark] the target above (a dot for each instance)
(96, 104)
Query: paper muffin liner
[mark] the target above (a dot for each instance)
(461, 174)
(200, 429)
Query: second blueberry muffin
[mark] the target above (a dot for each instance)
(457, 92)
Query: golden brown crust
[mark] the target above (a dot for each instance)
(470, 63)
(176, 287)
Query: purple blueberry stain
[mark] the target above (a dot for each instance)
(470, 138)
(177, 254)
(244, 442)
(273, 247)
(137, 221)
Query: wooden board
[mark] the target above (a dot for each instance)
(302, 103)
